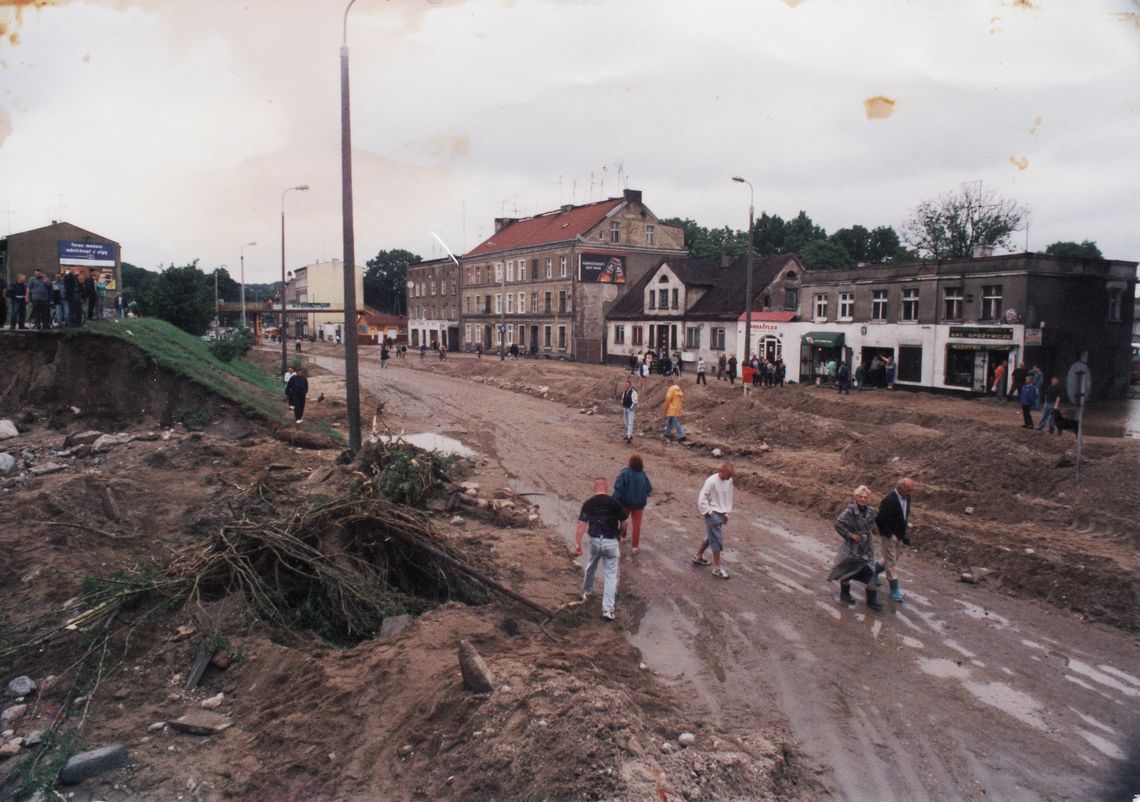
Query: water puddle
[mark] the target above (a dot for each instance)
(430, 441)
(962, 650)
(1020, 705)
(1101, 677)
(1087, 719)
(1101, 744)
(981, 613)
(913, 643)
(941, 667)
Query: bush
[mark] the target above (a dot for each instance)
(235, 344)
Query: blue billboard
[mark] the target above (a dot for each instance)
(86, 254)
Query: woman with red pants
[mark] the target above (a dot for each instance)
(631, 491)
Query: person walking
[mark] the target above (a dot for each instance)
(1039, 385)
(715, 503)
(843, 378)
(631, 490)
(628, 408)
(674, 398)
(39, 295)
(998, 387)
(730, 371)
(860, 377)
(1051, 404)
(1017, 380)
(296, 390)
(892, 521)
(605, 521)
(721, 366)
(384, 355)
(856, 557)
(701, 368)
(1027, 397)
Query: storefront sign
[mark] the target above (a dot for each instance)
(981, 333)
(1033, 336)
(86, 254)
(604, 268)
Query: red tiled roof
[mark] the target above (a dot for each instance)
(770, 317)
(556, 226)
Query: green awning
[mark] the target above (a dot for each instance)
(823, 339)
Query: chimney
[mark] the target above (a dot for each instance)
(503, 222)
(632, 195)
(983, 251)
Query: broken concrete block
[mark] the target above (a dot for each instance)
(201, 722)
(88, 764)
(477, 677)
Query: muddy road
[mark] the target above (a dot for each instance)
(958, 693)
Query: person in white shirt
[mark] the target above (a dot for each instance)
(715, 503)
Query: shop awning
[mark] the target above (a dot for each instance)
(823, 339)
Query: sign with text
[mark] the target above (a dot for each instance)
(981, 333)
(602, 268)
(86, 254)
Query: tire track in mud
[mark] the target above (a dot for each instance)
(941, 697)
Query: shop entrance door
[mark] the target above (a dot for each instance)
(981, 365)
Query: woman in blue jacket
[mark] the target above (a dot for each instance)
(631, 491)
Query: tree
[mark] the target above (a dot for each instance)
(769, 234)
(854, 241)
(137, 282)
(228, 289)
(824, 253)
(955, 223)
(385, 279)
(183, 296)
(710, 243)
(884, 246)
(1084, 250)
(799, 231)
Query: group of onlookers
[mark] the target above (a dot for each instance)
(66, 299)
(1029, 388)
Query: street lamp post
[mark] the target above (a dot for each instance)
(284, 356)
(243, 247)
(351, 368)
(748, 279)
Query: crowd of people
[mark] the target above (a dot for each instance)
(1028, 386)
(65, 299)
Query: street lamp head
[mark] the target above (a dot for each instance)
(738, 179)
(302, 187)
(248, 244)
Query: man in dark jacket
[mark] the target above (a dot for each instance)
(892, 521)
(89, 294)
(71, 298)
(39, 294)
(605, 521)
(296, 390)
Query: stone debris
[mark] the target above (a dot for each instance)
(393, 625)
(8, 429)
(686, 739)
(88, 764)
(21, 686)
(46, 468)
(201, 722)
(109, 441)
(477, 677)
(13, 713)
(7, 463)
(81, 438)
(9, 749)
(213, 703)
(457, 520)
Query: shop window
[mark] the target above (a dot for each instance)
(879, 305)
(910, 363)
(910, 304)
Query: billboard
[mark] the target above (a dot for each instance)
(86, 254)
(603, 268)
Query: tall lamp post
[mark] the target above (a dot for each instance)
(748, 279)
(284, 356)
(351, 368)
(243, 247)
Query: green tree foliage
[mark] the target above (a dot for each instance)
(1083, 250)
(228, 289)
(234, 344)
(769, 235)
(955, 223)
(137, 282)
(799, 231)
(824, 253)
(385, 278)
(710, 243)
(182, 296)
(854, 241)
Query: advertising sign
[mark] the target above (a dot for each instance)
(86, 254)
(981, 332)
(1033, 336)
(603, 268)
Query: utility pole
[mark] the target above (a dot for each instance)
(351, 366)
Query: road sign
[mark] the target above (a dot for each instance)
(1078, 382)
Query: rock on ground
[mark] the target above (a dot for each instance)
(88, 764)
(477, 677)
(21, 686)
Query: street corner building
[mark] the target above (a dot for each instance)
(61, 246)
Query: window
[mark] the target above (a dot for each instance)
(479, 275)
(510, 271)
(522, 302)
(676, 298)
(910, 304)
(455, 286)
(846, 305)
(522, 335)
(692, 337)
(533, 302)
(1115, 303)
(498, 272)
(952, 303)
(562, 266)
(650, 234)
(638, 337)
(910, 363)
(821, 306)
(467, 333)
(879, 305)
(433, 286)
(991, 302)
(510, 303)
(548, 268)
(546, 336)
(663, 298)
(619, 335)
(615, 231)
(791, 298)
(562, 302)
(652, 299)
(546, 304)
(522, 269)
(562, 337)
(716, 338)
(467, 304)
(486, 304)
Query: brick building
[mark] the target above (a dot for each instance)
(433, 304)
(62, 245)
(545, 283)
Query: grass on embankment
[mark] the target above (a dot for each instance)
(242, 382)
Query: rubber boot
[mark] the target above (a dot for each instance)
(896, 595)
(873, 599)
(845, 593)
(879, 568)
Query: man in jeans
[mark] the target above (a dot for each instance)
(1052, 401)
(628, 408)
(605, 521)
(715, 503)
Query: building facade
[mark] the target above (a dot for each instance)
(318, 289)
(433, 304)
(545, 283)
(63, 246)
(948, 324)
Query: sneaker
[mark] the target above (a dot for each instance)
(608, 615)
(300, 421)
(701, 561)
(720, 572)
(633, 550)
(682, 439)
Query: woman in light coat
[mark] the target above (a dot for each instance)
(856, 557)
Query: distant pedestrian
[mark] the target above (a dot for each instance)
(631, 490)
(856, 557)
(730, 370)
(297, 344)
(721, 367)
(120, 306)
(297, 389)
(478, 350)
(633, 364)
(39, 295)
(1050, 406)
(998, 384)
(628, 408)
(89, 295)
(423, 351)
(71, 298)
(17, 293)
(701, 368)
(860, 377)
(1027, 397)
(843, 378)
(100, 296)
(1039, 384)
(384, 355)
(1017, 380)
(892, 521)
(889, 370)
(605, 522)
(715, 503)
(674, 398)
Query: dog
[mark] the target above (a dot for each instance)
(1065, 424)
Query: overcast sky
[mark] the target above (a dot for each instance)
(172, 126)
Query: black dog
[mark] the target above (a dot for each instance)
(1064, 423)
